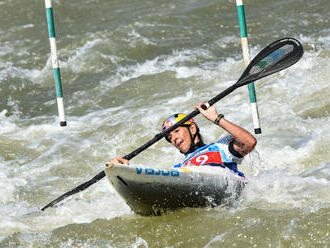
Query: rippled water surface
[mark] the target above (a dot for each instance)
(126, 65)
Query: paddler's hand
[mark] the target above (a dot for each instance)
(211, 113)
(117, 160)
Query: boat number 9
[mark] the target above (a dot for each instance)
(202, 159)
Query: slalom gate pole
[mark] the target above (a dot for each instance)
(246, 57)
(56, 68)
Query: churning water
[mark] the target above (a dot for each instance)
(128, 64)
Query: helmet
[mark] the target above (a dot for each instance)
(170, 121)
(173, 119)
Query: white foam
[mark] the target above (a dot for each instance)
(277, 188)
(57, 159)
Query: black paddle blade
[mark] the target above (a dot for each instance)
(77, 189)
(273, 58)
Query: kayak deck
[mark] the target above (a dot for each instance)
(151, 191)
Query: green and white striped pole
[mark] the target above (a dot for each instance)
(246, 57)
(56, 68)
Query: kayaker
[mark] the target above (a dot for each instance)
(228, 151)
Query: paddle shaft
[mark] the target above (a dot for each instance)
(131, 155)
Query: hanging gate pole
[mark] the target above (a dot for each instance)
(56, 68)
(246, 56)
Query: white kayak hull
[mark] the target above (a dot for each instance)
(150, 191)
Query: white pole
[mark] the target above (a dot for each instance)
(246, 57)
(56, 68)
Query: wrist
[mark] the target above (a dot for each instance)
(217, 120)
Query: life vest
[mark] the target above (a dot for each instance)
(214, 154)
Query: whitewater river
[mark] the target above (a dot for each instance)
(128, 64)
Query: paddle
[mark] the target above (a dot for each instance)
(273, 58)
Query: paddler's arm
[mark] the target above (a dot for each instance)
(244, 142)
(118, 160)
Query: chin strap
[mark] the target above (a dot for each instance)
(193, 147)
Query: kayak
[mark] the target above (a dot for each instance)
(153, 191)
